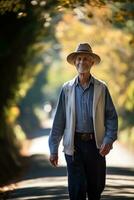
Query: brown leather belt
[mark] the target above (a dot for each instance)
(84, 136)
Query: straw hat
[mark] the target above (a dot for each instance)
(86, 49)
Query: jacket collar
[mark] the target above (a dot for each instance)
(75, 80)
(91, 80)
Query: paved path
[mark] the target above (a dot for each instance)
(41, 181)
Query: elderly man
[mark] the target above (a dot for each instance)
(87, 120)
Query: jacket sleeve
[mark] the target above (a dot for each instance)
(111, 120)
(57, 130)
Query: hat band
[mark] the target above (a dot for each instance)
(84, 51)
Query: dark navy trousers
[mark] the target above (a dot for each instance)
(86, 171)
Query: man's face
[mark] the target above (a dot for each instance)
(83, 63)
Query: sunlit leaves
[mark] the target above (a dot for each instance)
(112, 44)
(107, 25)
(130, 97)
(11, 6)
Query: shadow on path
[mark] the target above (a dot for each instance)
(42, 181)
(119, 184)
(120, 171)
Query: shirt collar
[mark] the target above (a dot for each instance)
(91, 80)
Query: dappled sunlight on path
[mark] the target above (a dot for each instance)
(118, 156)
(42, 181)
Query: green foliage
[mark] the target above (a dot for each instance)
(123, 15)
(116, 68)
(19, 43)
(21, 28)
(130, 97)
(11, 6)
(32, 40)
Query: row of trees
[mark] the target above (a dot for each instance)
(23, 38)
(112, 41)
(35, 35)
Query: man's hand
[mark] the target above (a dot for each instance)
(105, 149)
(54, 160)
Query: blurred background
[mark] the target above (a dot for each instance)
(35, 38)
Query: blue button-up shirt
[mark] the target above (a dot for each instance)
(84, 113)
(84, 107)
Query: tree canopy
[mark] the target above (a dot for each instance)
(36, 36)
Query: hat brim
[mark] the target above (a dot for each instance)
(71, 57)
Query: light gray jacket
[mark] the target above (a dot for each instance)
(98, 115)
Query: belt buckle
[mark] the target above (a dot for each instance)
(85, 137)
